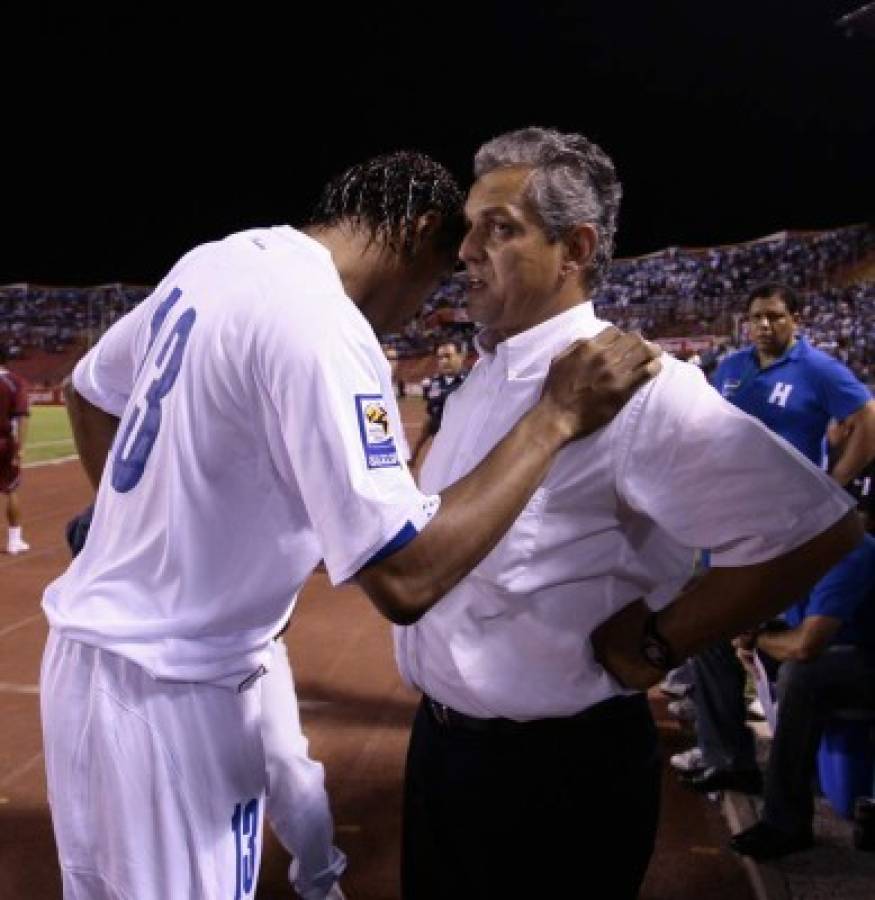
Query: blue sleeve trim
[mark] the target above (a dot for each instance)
(404, 537)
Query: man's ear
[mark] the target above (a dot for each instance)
(580, 249)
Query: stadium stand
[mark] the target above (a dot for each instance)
(698, 293)
(689, 298)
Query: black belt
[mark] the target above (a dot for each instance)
(614, 707)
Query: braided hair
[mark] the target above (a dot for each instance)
(387, 194)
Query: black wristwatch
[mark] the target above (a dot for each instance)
(655, 648)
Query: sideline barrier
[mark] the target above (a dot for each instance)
(46, 396)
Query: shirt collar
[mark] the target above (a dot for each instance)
(299, 237)
(800, 347)
(530, 351)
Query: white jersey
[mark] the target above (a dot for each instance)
(256, 437)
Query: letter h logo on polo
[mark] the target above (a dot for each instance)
(781, 393)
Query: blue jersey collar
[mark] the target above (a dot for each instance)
(799, 349)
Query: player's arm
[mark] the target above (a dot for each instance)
(834, 600)
(21, 428)
(774, 524)
(93, 432)
(585, 389)
(429, 426)
(428, 431)
(99, 388)
(22, 423)
(20, 418)
(857, 449)
(805, 642)
(725, 602)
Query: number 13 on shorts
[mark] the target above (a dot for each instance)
(244, 825)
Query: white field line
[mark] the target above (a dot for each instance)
(50, 462)
(31, 445)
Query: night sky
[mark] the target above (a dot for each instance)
(132, 136)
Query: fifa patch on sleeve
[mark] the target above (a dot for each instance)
(376, 432)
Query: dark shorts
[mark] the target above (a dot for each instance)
(10, 473)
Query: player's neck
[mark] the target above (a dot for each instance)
(767, 359)
(353, 255)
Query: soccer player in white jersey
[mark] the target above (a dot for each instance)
(239, 426)
(297, 805)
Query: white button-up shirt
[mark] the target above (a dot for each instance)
(617, 518)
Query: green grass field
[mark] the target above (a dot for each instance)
(49, 435)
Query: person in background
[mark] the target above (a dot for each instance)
(391, 354)
(14, 419)
(451, 375)
(796, 391)
(822, 655)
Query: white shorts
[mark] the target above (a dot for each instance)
(156, 788)
(297, 805)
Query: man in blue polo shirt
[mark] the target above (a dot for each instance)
(825, 648)
(795, 390)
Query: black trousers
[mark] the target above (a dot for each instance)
(843, 676)
(553, 808)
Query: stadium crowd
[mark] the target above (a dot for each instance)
(52, 318)
(688, 277)
(676, 291)
(691, 292)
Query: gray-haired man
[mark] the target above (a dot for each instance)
(533, 763)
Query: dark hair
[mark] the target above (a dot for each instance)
(775, 289)
(574, 181)
(387, 194)
(4, 353)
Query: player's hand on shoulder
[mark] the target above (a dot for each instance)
(591, 381)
